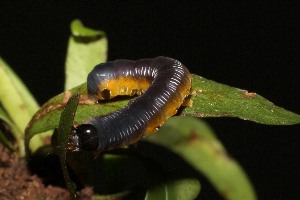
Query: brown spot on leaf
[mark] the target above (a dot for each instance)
(225, 194)
(67, 96)
(22, 107)
(192, 136)
(52, 106)
(249, 94)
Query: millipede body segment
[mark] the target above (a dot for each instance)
(162, 83)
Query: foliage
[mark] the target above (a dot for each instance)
(186, 138)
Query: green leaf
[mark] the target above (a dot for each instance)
(17, 102)
(87, 48)
(210, 99)
(64, 130)
(213, 99)
(194, 141)
(12, 98)
(79, 30)
(185, 189)
(29, 101)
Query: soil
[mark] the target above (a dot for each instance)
(17, 182)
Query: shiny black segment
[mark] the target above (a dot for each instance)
(86, 137)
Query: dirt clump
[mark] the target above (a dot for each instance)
(16, 181)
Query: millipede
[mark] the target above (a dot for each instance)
(161, 83)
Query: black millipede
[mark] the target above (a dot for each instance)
(162, 83)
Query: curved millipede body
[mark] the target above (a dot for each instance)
(163, 84)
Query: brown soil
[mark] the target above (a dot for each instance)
(16, 182)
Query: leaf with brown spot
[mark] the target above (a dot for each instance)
(47, 118)
(210, 99)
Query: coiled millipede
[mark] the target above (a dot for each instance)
(162, 83)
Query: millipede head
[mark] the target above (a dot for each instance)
(85, 138)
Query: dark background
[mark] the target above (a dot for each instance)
(253, 46)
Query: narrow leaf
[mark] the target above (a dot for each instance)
(29, 101)
(11, 99)
(87, 48)
(194, 141)
(17, 102)
(185, 189)
(64, 130)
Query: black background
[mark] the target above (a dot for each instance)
(253, 46)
